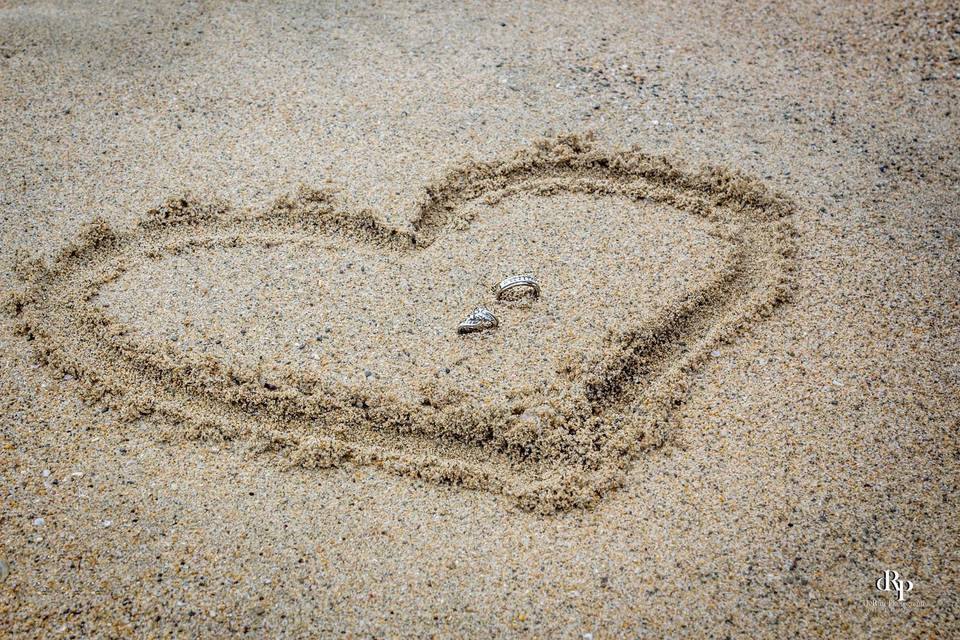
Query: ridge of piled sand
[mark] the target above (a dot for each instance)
(556, 441)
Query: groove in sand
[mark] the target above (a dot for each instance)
(557, 447)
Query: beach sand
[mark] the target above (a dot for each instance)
(237, 240)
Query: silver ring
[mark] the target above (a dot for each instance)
(478, 320)
(514, 282)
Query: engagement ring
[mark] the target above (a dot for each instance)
(478, 320)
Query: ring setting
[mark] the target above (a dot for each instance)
(479, 319)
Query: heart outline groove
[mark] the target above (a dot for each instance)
(602, 413)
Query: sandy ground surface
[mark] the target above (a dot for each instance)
(812, 450)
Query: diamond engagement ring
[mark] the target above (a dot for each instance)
(515, 282)
(478, 320)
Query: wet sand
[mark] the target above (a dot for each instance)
(238, 240)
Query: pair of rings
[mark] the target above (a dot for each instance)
(482, 318)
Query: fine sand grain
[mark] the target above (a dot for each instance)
(475, 411)
(238, 240)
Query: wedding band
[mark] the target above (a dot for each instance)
(514, 282)
(478, 320)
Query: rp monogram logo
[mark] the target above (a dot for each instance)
(890, 581)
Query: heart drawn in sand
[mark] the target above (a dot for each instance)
(353, 356)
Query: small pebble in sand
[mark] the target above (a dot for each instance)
(39, 522)
(872, 87)
(106, 523)
(4, 570)
(45, 473)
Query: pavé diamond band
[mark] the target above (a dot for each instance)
(516, 282)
